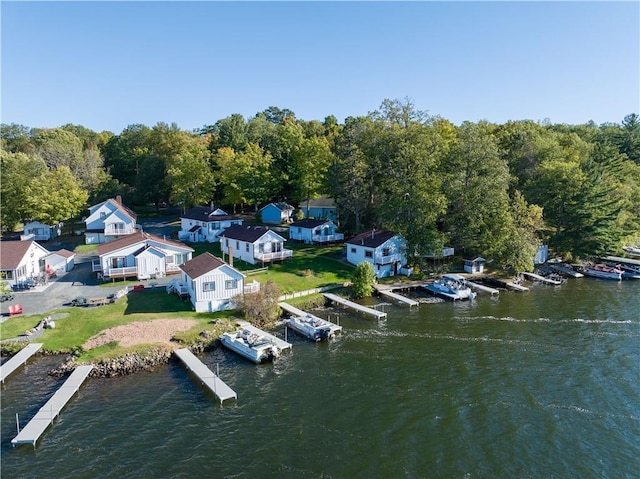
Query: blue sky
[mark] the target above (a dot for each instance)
(108, 65)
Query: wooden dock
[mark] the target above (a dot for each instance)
(397, 297)
(516, 286)
(47, 413)
(300, 313)
(350, 304)
(482, 287)
(206, 376)
(619, 259)
(279, 342)
(542, 279)
(18, 360)
(569, 271)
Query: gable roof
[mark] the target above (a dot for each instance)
(250, 234)
(282, 206)
(202, 264)
(204, 213)
(372, 239)
(308, 223)
(119, 206)
(135, 238)
(65, 253)
(12, 252)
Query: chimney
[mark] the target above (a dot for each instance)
(119, 200)
(231, 256)
(372, 232)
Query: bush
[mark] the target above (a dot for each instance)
(362, 280)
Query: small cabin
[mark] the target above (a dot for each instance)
(475, 265)
(277, 213)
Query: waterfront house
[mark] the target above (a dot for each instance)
(59, 262)
(202, 223)
(140, 255)
(211, 283)
(38, 231)
(475, 265)
(108, 221)
(314, 231)
(320, 208)
(253, 244)
(277, 213)
(21, 262)
(385, 250)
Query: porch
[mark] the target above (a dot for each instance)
(274, 256)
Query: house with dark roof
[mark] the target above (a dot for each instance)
(140, 255)
(108, 221)
(314, 231)
(277, 213)
(211, 283)
(385, 250)
(254, 244)
(322, 207)
(21, 262)
(202, 223)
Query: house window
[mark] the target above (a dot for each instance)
(117, 262)
(231, 284)
(208, 287)
(237, 245)
(386, 251)
(118, 227)
(226, 242)
(299, 230)
(247, 247)
(368, 254)
(6, 274)
(103, 215)
(353, 250)
(181, 258)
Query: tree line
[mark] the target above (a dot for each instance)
(497, 190)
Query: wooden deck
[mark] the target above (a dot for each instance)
(542, 279)
(18, 360)
(397, 297)
(482, 287)
(279, 342)
(358, 307)
(516, 286)
(47, 413)
(206, 376)
(569, 271)
(618, 259)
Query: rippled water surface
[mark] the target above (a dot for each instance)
(540, 384)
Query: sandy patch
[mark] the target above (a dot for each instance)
(156, 331)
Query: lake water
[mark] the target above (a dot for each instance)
(542, 384)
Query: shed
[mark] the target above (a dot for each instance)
(59, 262)
(276, 213)
(475, 265)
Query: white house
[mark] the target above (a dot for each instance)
(253, 244)
(212, 284)
(320, 208)
(140, 255)
(314, 231)
(277, 213)
(59, 262)
(21, 262)
(385, 250)
(38, 231)
(205, 224)
(108, 221)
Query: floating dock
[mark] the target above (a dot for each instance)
(542, 279)
(397, 297)
(482, 287)
(18, 360)
(47, 413)
(298, 312)
(618, 259)
(516, 286)
(567, 270)
(206, 376)
(350, 304)
(279, 342)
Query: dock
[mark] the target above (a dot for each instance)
(542, 279)
(18, 360)
(47, 413)
(350, 304)
(397, 297)
(618, 259)
(279, 342)
(298, 312)
(569, 271)
(516, 286)
(206, 376)
(482, 287)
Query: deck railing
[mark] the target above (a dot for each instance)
(327, 238)
(252, 287)
(128, 271)
(277, 255)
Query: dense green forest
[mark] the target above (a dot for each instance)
(484, 188)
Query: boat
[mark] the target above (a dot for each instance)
(250, 345)
(603, 271)
(312, 327)
(630, 272)
(451, 287)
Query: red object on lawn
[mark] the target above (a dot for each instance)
(15, 309)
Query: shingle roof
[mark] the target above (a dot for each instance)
(204, 213)
(122, 208)
(65, 253)
(137, 237)
(371, 239)
(309, 223)
(245, 233)
(12, 252)
(201, 264)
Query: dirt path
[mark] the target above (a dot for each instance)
(156, 331)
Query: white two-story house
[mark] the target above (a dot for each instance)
(254, 244)
(314, 231)
(108, 221)
(201, 224)
(142, 256)
(385, 250)
(211, 283)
